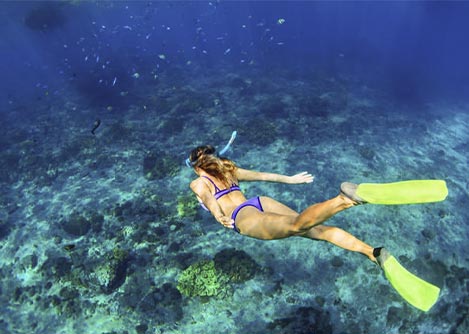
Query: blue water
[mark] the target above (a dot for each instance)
(96, 229)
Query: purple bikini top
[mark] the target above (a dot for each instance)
(219, 192)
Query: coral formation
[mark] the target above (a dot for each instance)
(236, 264)
(187, 206)
(202, 279)
(214, 277)
(157, 165)
(112, 272)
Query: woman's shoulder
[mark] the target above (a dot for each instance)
(196, 183)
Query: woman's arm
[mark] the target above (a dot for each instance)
(203, 193)
(250, 175)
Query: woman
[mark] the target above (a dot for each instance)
(263, 217)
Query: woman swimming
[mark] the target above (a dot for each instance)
(263, 217)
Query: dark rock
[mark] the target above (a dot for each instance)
(69, 293)
(175, 247)
(163, 304)
(337, 261)
(136, 289)
(113, 272)
(5, 229)
(96, 219)
(428, 234)
(76, 225)
(57, 267)
(366, 153)
(304, 320)
(236, 264)
(394, 316)
(141, 329)
(461, 325)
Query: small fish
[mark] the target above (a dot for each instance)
(97, 59)
(136, 75)
(96, 125)
(114, 81)
(86, 58)
(280, 21)
(227, 51)
(127, 27)
(162, 56)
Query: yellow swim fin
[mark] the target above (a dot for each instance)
(413, 289)
(404, 192)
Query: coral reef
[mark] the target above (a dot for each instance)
(157, 165)
(202, 279)
(187, 206)
(209, 278)
(111, 273)
(100, 233)
(236, 264)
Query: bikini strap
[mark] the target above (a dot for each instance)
(216, 188)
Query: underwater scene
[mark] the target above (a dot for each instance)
(102, 103)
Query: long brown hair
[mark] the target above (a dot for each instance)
(223, 169)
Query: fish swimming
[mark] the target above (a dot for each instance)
(96, 125)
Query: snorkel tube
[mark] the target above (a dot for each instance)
(223, 151)
(227, 146)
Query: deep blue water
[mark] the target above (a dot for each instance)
(97, 229)
(414, 50)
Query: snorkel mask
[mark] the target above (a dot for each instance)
(227, 146)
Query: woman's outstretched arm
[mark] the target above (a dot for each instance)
(250, 175)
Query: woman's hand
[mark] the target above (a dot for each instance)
(303, 177)
(225, 221)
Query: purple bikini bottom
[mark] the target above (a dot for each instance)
(255, 202)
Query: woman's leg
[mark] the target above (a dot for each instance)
(279, 221)
(340, 238)
(318, 213)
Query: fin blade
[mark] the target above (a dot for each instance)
(413, 289)
(404, 192)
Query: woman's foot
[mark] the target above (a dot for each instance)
(349, 190)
